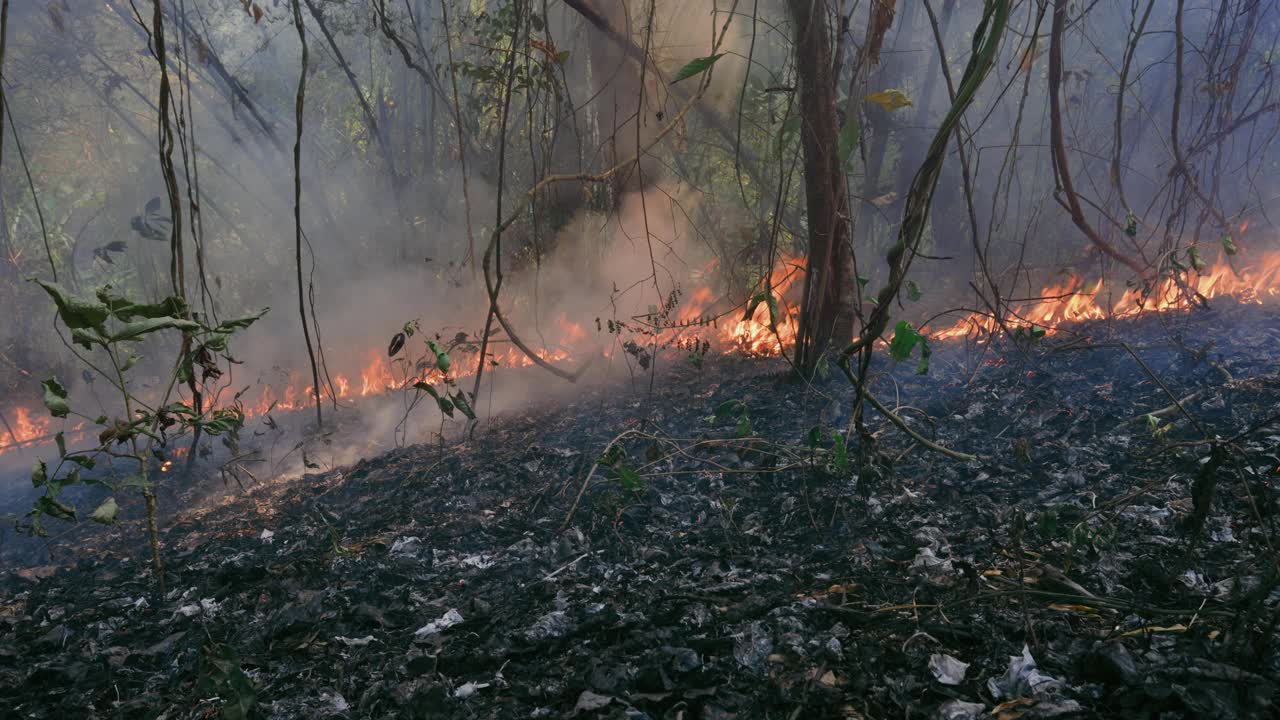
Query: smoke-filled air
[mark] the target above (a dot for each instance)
(639, 358)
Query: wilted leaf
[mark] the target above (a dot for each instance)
(76, 313)
(135, 330)
(126, 310)
(460, 401)
(50, 506)
(39, 473)
(1229, 245)
(55, 398)
(397, 343)
(884, 200)
(240, 323)
(891, 99)
(696, 67)
(106, 512)
(913, 291)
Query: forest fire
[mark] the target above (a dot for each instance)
(1075, 300)
(700, 323)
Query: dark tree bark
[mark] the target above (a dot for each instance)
(827, 309)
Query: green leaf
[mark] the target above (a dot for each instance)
(125, 310)
(1193, 254)
(630, 478)
(814, 436)
(891, 99)
(1229, 245)
(442, 358)
(221, 675)
(83, 461)
(696, 67)
(460, 401)
(744, 425)
(76, 313)
(427, 388)
(133, 481)
(913, 291)
(922, 367)
(49, 506)
(39, 473)
(88, 337)
(106, 512)
(61, 441)
(727, 408)
(850, 135)
(240, 323)
(840, 456)
(904, 341)
(138, 328)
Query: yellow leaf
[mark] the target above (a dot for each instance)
(890, 99)
(1073, 608)
(1156, 629)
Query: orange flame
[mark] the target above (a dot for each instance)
(703, 322)
(1247, 282)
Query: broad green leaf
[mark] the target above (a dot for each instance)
(241, 323)
(106, 512)
(744, 425)
(138, 328)
(76, 313)
(460, 401)
(1229, 245)
(892, 99)
(814, 436)
(850, 135)
(427, 388)
(55, 398)
(630, 478)
(696, 67)
(83, 461)
(88, 337)
(904, 341)
(840, 457)
(126, 310)
(133, 481)
(50, 506)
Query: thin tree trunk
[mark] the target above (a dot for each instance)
(827, 309)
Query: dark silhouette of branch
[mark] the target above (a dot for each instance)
(297, 208)
(1061, 164)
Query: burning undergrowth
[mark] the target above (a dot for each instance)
(1107, 555)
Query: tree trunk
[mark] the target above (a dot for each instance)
(827, 310)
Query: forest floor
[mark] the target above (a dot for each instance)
(727, 567)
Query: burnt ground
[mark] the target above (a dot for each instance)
(738, 571)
